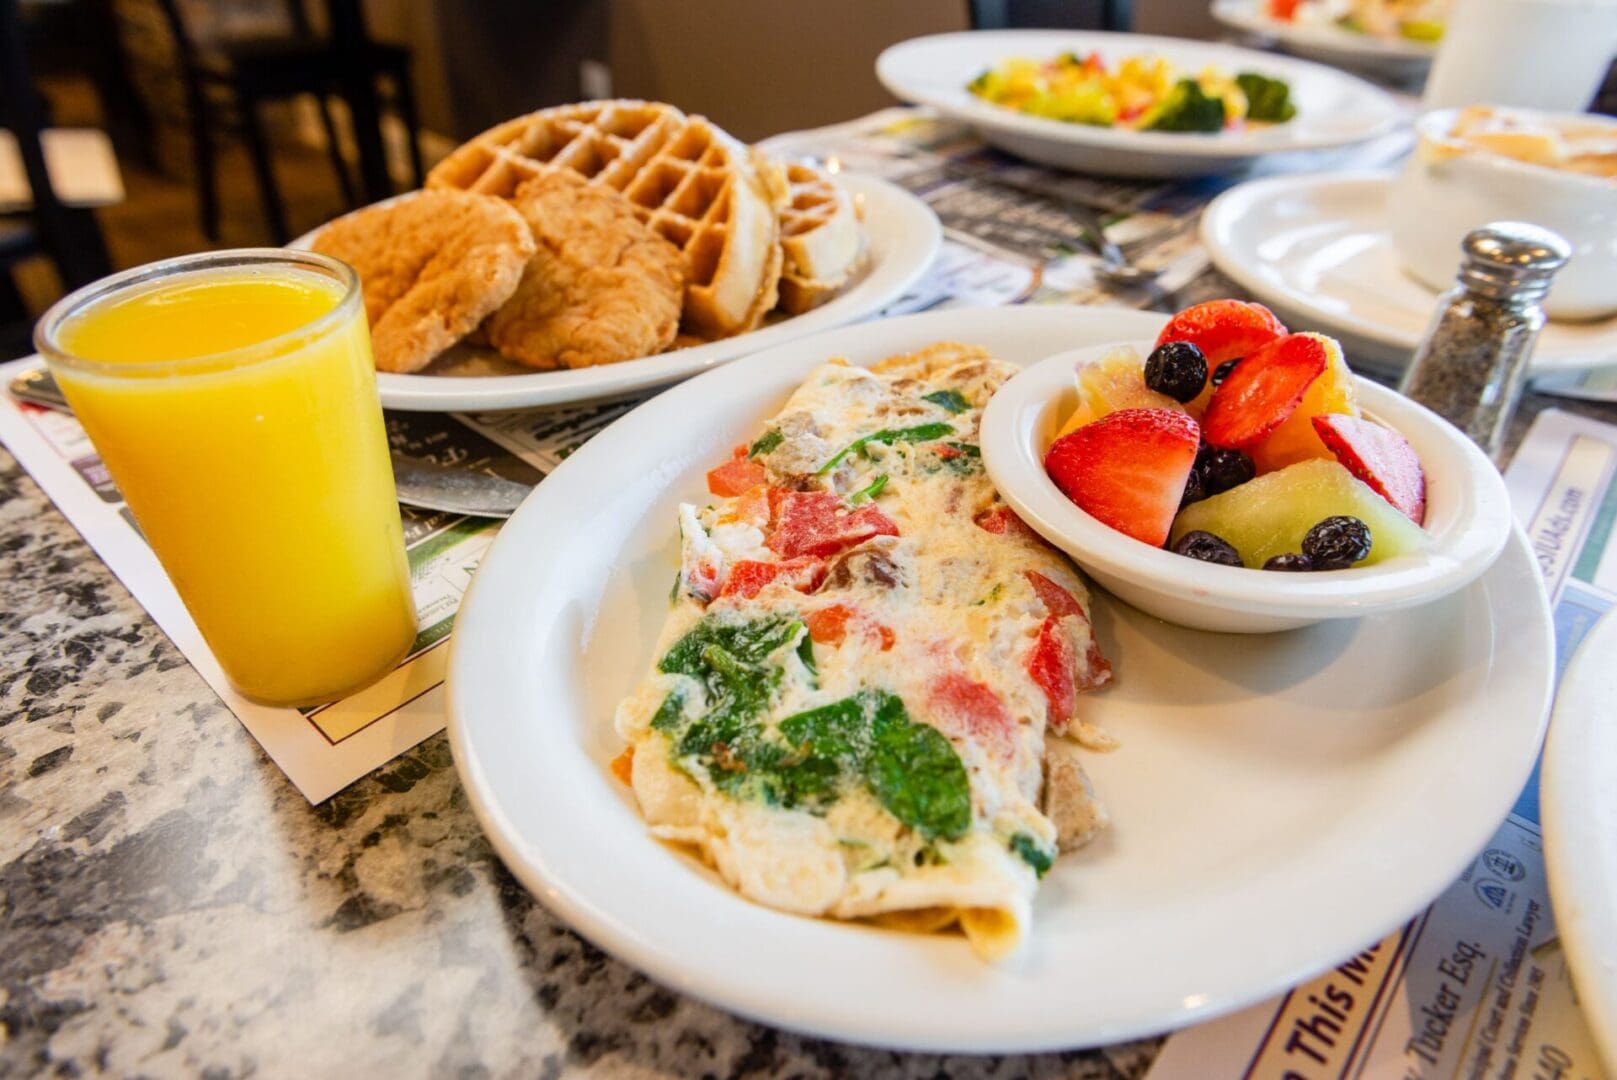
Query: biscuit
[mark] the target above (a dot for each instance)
(601, 287)
(432, 266)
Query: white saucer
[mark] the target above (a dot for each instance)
(1316, 250)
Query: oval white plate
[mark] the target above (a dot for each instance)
(904, 237)
(1317, 250)
(1333, 109)
(1277, 803)
(1387, 58)
(1578, 801)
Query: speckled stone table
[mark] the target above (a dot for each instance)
(171, 906)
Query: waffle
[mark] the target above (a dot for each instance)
(820, 238)
(688, 179)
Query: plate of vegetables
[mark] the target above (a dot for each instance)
(1387, 39)
(1131, 104)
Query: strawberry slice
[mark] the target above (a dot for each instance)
(1128, 469)
(1380, 457)
(1224, 329)
(1263, 391)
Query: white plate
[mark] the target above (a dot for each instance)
(1395, 59)
(1333, 109)
(1317, 250)
(904, 236)
(1274, 808)
(1578, 801)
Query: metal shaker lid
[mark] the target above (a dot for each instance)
(1512, 259)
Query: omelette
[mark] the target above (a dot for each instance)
(864, 702)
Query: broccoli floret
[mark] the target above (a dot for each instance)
(1266, 98)
(1187, 108)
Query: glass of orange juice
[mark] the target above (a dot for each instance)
(232, 397)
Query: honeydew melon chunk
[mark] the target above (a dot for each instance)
(1269, 515)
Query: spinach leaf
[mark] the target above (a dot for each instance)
(670, 712)
(952, 400)
(916, 774)
(766, 442)
(1035, 856)
(838, 731)
(888, 436)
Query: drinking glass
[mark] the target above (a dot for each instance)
(233, 399)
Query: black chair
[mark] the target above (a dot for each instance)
(1050, 14)
(70, 237)
(226, 83)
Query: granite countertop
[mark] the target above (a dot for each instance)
(170, 905)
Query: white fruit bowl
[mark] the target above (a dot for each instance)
(1467, 518)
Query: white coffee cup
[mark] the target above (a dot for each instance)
(1447, 189)
(1535, 54)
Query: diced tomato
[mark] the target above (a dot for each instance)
(1053, 664)
(1057, 601)
(1284, 9)
(623, 765)
(1097, 670)
(829, 626)
(946, 452)
(752, 507)
(1050, 665)
(702, 579)
(1000, 520)
(817, 523)
(964, 707)
(749, 576)
(736, 476)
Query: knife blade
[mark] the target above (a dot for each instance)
(421, 484)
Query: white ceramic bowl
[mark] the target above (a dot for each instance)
(1445, 191)
(1467, 516)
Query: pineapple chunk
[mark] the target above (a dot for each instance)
(1115, 381)
(1270, 515)
(1295, 440)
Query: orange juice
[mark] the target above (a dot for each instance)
(234, 403)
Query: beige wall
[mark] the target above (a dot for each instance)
(758, 67)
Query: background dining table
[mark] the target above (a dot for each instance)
(170, 904)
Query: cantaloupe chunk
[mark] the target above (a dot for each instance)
(1116, 381)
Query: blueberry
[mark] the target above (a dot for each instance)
(1224, 469)
(1289, 561)
(1337, 543)
(1193, 489)
(1223, 370)
(1176, 368)
(1197, 544)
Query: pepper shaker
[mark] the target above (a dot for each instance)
(1472, 365)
